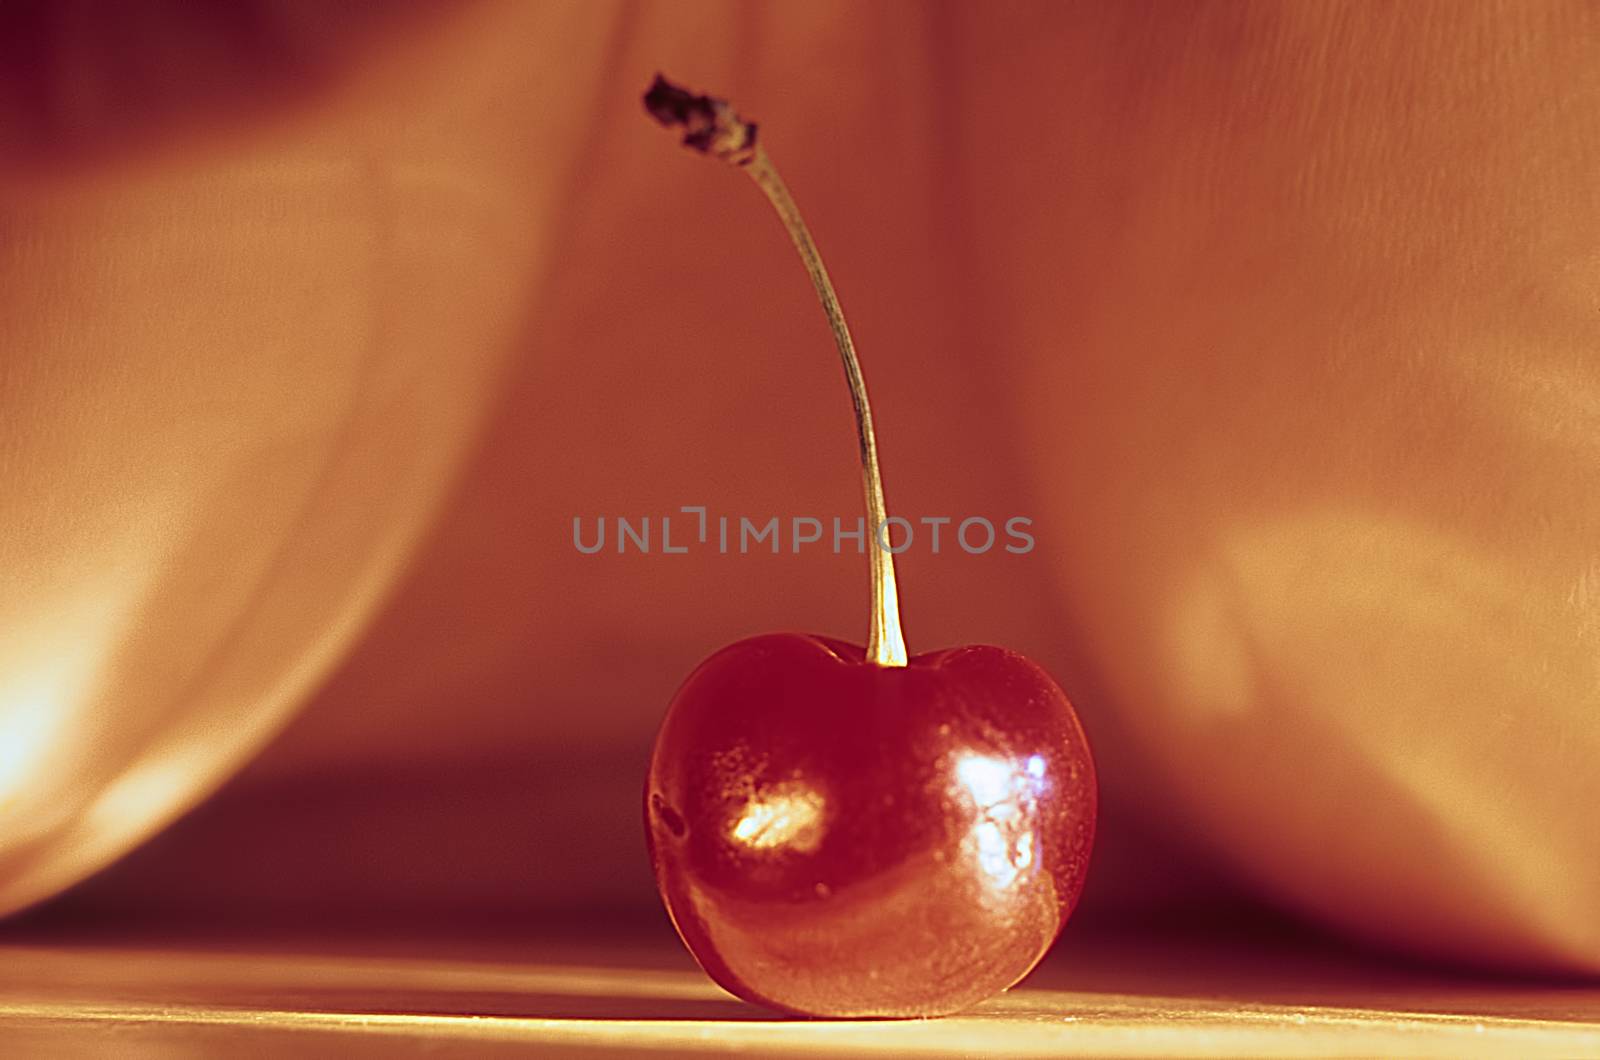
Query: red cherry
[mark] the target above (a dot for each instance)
(839, 831)
(837, 838)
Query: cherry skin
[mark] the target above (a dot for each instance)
(834, 837)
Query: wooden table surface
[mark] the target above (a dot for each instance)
(1151, 992)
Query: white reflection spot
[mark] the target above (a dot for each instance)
(988, 780)
(1006, 797)
(789, 815)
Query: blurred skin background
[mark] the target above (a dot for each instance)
(321, 323)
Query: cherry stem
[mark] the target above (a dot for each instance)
(711, 127)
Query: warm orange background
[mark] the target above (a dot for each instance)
(1279, 321)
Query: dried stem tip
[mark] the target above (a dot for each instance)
(709, 124)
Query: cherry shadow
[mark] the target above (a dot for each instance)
(598, 1006)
